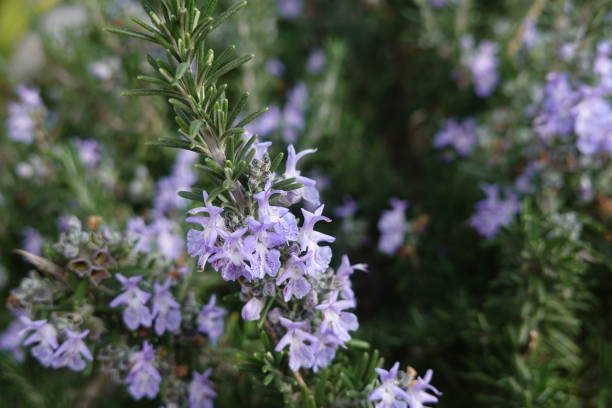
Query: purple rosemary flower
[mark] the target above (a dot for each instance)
(530, 33)
(89, 152)
(389, 394)
(294, 271)
(143, 378)
(284, 222)
(319, 257)
(603, 64)
(11, 339)
(492, 213)
(290, 8)
(32, 241)
(342, 279)
(168, 242)
(557, 117)
(275, 67)
(593, 124)
(264, 260)
(482, 63)
(335, 320)
(233, 259)
(419, 392)
(210, 320)
(22, 120)
(70, 354)
(462, 135)
(45, 335)
(347, 209)
(252, 309)
(136, 312)
(309, 191)
(325, 350)
(524, 183)
(301, 344)
(316, 61)
(201, 243)
(165, 309)
(393, 227)
(201, 392)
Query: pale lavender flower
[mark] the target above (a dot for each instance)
(281, 218)
(45, 335)
(32, 241)
(316, 61)
(201, 243)
(143, 378)
(557, 116)
(232, 258)
(603, 64)
(493, 212)
(275, 67)
(462, 135)
(593, 125)
(201, 392)
(165, 309)
(419, 393)
(264, 260)
(530, 33)
(342, 279)
(393, 226)
(22, 120)
(72, 351)
(89, 152)
(335, 320)
(319, 257)
(136, 312)
(290, 8)
(252, 309)
(301, 344)
(325, 350)
(169, 244)
(294, 272)
(11, 339)
(482, 63)
(210, 320)
(104, 69)
(389, 394)
(347, 209)
(309, 191)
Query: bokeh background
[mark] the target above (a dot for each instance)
(516, 320)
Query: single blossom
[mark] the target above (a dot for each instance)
(252, 309)
(316, 61)
(201, 392)
(143, 379)
(309, 192)
(165, 309)
(419, 393)
(389, 394)
(342, 279)
(483, 65)
(232, 258)
(335, 320)
(202, 243)
(44, 335)
(393, 227)
(294, 273)
(24, 115)
(210, 320)
(134, 299)
(493, 212)
(72, 351)
(301, 344)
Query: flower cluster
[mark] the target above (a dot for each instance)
(401, 390)
(275, 258)
(26, 115)
(85, 275)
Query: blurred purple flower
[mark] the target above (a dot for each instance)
(201, 392)
(210, 320)
(301, 344)
(290, 8)
(22, 120)
(316, 61)
(462, 135)
(393, 227)
(143, 378)
(72, 351)
(493, 212)
(275, 67)
(32, 241)
(136, 312)
(89, 152)
(557, 117)
(593, 125)
(165, 309)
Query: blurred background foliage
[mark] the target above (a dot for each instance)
(518, 321)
